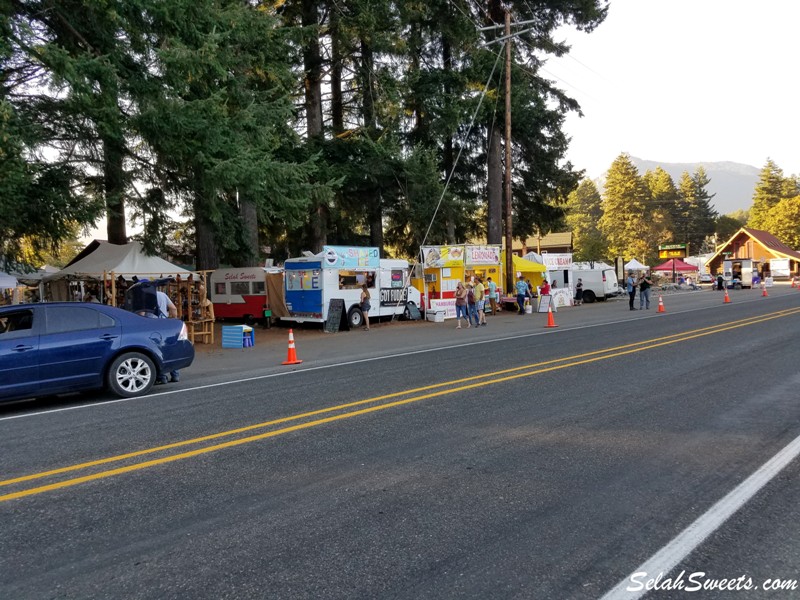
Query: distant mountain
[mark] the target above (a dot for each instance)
(732, 183)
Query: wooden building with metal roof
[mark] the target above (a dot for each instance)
(757, 245)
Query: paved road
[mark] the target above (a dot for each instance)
(420, 461)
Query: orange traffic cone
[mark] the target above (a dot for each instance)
(764, 293)
(793, 282)
(291, 358)
(661, 305)
(550, 321)
(727, 299)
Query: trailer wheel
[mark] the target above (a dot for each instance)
(588, 296)
(355, 317)
(249, 320)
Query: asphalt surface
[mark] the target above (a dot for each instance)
(420, 461)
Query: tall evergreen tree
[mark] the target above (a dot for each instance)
(667, 207)
(702, 216)
(77, 63)
(769, 191)
(220, 129)
(584, 210)
(625, 221)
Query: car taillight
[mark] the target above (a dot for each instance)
(604, 277)
(184, 334)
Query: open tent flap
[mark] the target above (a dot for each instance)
(275, 293)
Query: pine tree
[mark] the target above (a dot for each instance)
(220, 125)
(625, 221)
(767, 194)
(702, 216)
(697, 219)
(584, 209)
(666, 204)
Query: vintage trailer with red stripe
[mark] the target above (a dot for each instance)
(239, 293)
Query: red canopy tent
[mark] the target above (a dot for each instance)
(675, 264)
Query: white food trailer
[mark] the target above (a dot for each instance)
(338, 272)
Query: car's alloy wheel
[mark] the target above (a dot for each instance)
(131, 374)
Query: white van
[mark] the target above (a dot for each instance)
(598, 284)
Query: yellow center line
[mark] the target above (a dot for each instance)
(340, 407)
(606, 354)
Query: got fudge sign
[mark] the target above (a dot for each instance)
(393, 296)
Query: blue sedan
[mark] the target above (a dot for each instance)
(61, 347)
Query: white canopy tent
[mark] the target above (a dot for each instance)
(102, 261)
(635, 265)
(7, 281)
(127, 260)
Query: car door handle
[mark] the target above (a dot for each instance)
(108, 336)
(22, 348)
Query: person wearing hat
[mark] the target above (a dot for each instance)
(630, 284)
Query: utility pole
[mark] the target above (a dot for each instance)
(509, 257)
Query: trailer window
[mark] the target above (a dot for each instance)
(352, 280)
(219, 288)
(258, 287)
(240, 288)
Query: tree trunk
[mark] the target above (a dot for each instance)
(374, 205)
(114, 184)
(494, 188)
(337, 100)
(205, 243)
(312, 63)
(375, 216)
(249, 218)
(113, 141)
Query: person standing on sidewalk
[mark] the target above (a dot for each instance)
(166, 310)
(461, 304)
(365, 305)
(472, 307)
(492, 294)
(522, 293)
(579, 292)
(630, 286)
(644, 291)
(480, 301)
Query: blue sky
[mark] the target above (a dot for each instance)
(685, 81)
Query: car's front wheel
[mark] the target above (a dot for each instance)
(132, 374)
